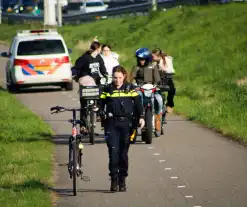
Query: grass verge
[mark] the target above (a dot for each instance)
(25, 156)
(209, 47)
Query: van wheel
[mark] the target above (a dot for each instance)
(68, 86)
(13, 88)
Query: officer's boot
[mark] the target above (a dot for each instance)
(114, 184)
(122, 184)
(157, 125)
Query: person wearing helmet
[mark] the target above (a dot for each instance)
(146, 72)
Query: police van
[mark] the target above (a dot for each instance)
(38, 58)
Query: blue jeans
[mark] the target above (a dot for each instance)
(158, 102)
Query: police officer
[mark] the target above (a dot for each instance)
(121, 101)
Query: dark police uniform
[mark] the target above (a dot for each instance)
(120, 105)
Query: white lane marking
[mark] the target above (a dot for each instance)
(167, 168)
(64, 92)
(69, 96)
(150, 147)
(181, 186)
(73, 99)
(197, 206)
(78, 101)
(156, 153)
(189, 196)
(174, 177)
(162, 160)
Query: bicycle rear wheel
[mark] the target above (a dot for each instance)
(74, 148)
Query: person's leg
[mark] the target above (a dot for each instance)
(158, 113)
(141, 95)
(123, 154)
(170, 97)
(112, 140)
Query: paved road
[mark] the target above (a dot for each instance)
(189, 166)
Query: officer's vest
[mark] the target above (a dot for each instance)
(120, 103)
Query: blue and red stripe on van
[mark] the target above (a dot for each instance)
(31, 67)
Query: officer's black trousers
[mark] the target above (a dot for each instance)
(117, 139)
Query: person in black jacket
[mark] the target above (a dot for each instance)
(89, 64)
(121, 101)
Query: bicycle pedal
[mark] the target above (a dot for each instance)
(85, 178)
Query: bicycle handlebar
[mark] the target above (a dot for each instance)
(162, 87)
(57, 109)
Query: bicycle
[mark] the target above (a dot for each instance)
(75, 147)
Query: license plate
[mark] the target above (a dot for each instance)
(42, 68)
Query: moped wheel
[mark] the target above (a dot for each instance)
(148, 133)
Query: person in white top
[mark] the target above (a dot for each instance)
(110, 60)
(165, 66)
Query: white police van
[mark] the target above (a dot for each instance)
(38, 58)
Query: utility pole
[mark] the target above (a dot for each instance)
(154, 5)
(45, 12)
(59, 13)
(49, 12)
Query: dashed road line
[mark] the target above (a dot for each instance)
(168, 168)
(174, 177)
(189, 196)
(181, 186)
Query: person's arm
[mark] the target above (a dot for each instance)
(102, 99)
(134, 74)
(138, 107)
(156, 75)
(80, 66)
(137, 102)
(102, 67)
